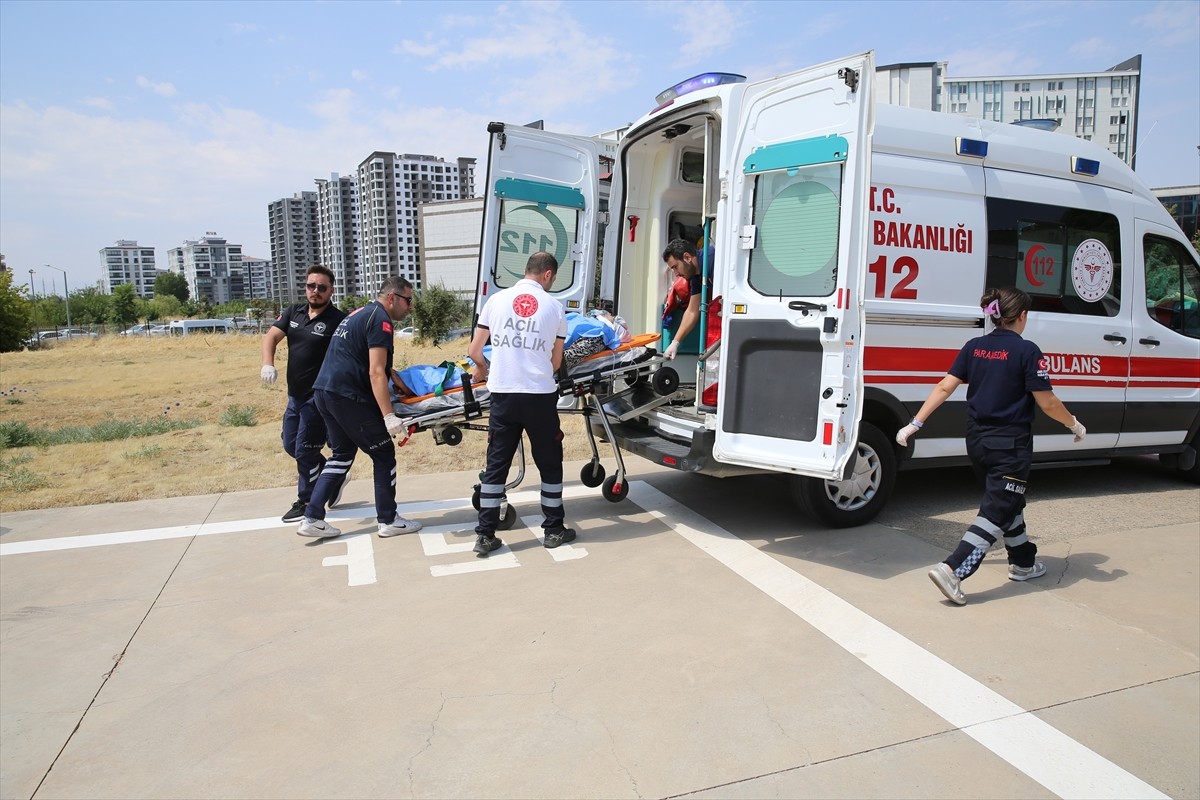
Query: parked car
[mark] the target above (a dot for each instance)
(409, 331)
(146, 330)
(46, 338)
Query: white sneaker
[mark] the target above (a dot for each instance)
(944, 578)
(1016, 573)
(399, 525)
(317, 529)
(337, 496)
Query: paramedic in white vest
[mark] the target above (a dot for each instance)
(526, 328)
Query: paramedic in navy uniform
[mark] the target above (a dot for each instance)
(308, 328)
(526, 328)
(1006, 375)
(352, 396)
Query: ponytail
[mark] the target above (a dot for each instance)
(1004, 306)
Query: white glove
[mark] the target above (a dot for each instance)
(395, 425)
(268, 375)
(671, 351)
(906, 433)
(1077, 428)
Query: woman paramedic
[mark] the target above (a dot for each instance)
(1006, 376)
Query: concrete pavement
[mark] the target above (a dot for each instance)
(698, 639)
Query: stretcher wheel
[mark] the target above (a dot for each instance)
(592, 475)
(614, 492)
(475, 497)
(665, 381)
(507, 519)
(452, 435)
(635, 377)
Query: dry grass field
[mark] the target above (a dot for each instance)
(207, 382)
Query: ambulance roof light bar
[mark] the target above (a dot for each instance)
(705, 80)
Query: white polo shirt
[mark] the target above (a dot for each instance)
(523, 321)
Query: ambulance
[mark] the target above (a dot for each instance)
(849, 244)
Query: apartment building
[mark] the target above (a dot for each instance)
(1101, 107)
(295, 239)
(337, 233)
(391, 186)
(212, 268)
(256, 278)
(128, 262)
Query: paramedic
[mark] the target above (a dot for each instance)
(352, 395)
(683, 259)
(1006, 375)
(308, 329)
(526, 328)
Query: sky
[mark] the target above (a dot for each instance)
(163, 121)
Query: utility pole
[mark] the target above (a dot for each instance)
(37, 326)
(66, 294)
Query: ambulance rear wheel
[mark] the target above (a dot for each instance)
(857, 499)
(614, 492)
(592, 474)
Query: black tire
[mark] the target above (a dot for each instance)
(665, 381)
(452, 435)
(856, 501)
(507, 519)
(614, 492)
(592, 474)
(475, 496)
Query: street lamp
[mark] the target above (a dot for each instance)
(36, 325)
(66, 293)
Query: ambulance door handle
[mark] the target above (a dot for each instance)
(1115, 337)
(1149, 342)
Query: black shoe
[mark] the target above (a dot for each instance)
(486, 544)
(553, 540)
(295, 513)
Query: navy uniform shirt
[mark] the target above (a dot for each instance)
(307, 340)
(347, 367)
(1001, 369)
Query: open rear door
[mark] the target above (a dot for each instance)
(790, 378)
(541, 194)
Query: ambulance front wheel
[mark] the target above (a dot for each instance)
(614, 492)
(592, 474)
(857, 499)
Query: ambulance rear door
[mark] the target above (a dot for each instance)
(790, 386)
(542, 194)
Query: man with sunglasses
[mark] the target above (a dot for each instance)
(352, 394)
(308, 328)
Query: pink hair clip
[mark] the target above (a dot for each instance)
(992, 309)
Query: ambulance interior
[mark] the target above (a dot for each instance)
(664, 174)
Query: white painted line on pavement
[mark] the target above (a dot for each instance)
(359, 560)
(564, 552)
(1048, 756)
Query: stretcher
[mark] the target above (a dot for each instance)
(447, 414)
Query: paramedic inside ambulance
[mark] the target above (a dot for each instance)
(681, 310)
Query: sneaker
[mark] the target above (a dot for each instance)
(398, 526)
(486, 544)
(553, 540)
(1016, 573)
(337, 496)
(944, 578)
(317, 529)
(295, 513)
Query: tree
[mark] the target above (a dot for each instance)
(89, 306)
(15, 314)
(172, 283)
(436, 311)
(123, 308)
(348, 304)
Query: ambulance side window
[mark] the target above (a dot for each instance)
(1067, 259)
(1172, 286)
(796, 213)
(526, 228)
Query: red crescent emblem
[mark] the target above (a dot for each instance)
(1033, 251)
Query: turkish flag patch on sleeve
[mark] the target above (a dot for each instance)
(387, 326)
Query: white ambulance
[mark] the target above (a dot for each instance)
(850, 245)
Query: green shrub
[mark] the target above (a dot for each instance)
(239, 417)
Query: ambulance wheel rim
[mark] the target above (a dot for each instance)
(857, 490)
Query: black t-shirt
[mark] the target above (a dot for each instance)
(307, 340)
(347, 367)
(1001, 369)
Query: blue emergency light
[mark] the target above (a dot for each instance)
(705, 80)
(1085, 166)
(970, 147)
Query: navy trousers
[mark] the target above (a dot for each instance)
(511, 415)
(352, 426)
(303, 437)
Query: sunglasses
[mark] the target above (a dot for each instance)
(317, 287)
(406, 298)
